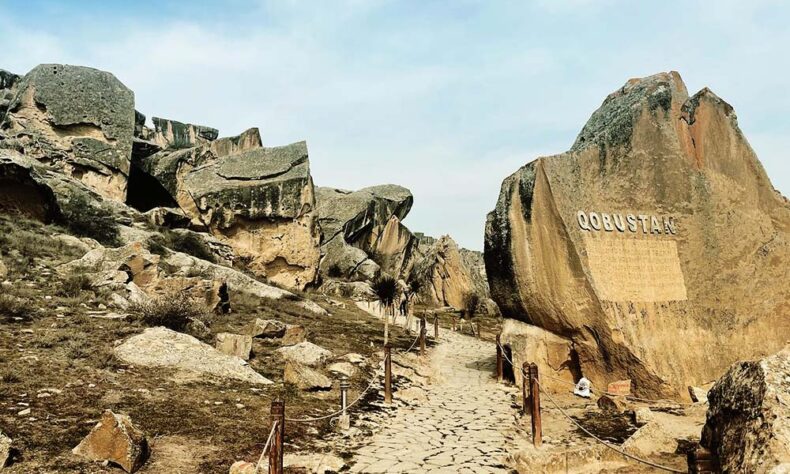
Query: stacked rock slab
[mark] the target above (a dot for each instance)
(444, 278)
(258, 199)
(656, 244)
(80, 120)
(358, 225)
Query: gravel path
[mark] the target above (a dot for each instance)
(458, 429)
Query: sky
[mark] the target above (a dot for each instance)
(444, 98)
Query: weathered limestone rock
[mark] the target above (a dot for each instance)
(444, 277)
(353, 227)
(7, 91)
(294, 334)
(306, 353)
(236, 345)
(698, 395)
(656, 244)
(259, 200)
(167, 217)
(161, 347)
(267, 328)
(643, 416)
(343, 368)
(356, 290)
(247, 140)
(650, 439)
(5, 441)
(553, 354)
(117, 440)
(612, 404)
(748, 419)
(79, 119)
(304, 377)
(177, 135)
(242, 467)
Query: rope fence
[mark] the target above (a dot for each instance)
(536, 380)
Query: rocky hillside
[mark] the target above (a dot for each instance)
(653, 249)
(74, 131)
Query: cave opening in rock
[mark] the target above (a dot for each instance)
(507, 367)
(144, 192)
(22, 197)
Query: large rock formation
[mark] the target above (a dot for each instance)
(656, 244)
(80, 120)
(748, 420)
(260, 200)
(361, 230)
(444, 278)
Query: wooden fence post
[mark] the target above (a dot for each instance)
(423, 330)
(276, 448)
(525, 382)
(534, 395)
(387, 374)
(499, 361)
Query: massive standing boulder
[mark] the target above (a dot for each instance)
(80, 120)
(748, 420)
(260, 200)
(657, 244)
(444, 278)
(7, 82)
(361, 231)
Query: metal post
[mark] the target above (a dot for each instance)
(534, 394)
(344, 422)
(423, 330)
(387, 374)
(436, 326)
(525, 381)
(276, 448)
(499, 360)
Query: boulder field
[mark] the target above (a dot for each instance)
(656, 248)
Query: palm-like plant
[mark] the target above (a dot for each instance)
(386, 290)
(412, 289)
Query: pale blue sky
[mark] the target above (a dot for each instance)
(445, 98)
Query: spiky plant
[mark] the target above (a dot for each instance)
(386, 290)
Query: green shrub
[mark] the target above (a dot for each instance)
(89, 219)
(13, 306)
(174, 311)
(73, 285)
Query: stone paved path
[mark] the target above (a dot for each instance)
(458, 429)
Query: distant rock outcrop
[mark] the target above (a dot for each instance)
(444, 276)
(78, 119)
(656, 244)
(748, 420)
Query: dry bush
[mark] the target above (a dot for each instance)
(174, 311)
(13, 306)
(74, 284)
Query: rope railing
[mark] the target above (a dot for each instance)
(268, 444)
(585, 430)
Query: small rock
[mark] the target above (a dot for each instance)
(354, 358)
(643, 416)
(5, 450)
(344, 368)
(267, 328)
(3, 272)
(242, 467)
(234, 344)
(294, 334)
(306, 353)
(117, 440)
(651, 439)
(611, 404)
(305, 378)
(24, 412)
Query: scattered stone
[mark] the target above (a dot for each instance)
(24, 412)
(748, 419)
(611, 404)
(343, 368)
(161, 347)
(294, 334)
(650, 439)
(267, 328)
(306, 353)
(3, 269)
(5, 450)
(117, 440)
(354, 358)
(314, 463)
(305, 378)
(234, 344)
(698, 395)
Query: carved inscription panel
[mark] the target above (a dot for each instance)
(628, 269)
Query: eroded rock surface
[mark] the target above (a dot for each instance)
(655, 244)
(79, 119)
(117, 440)
(748, 420)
